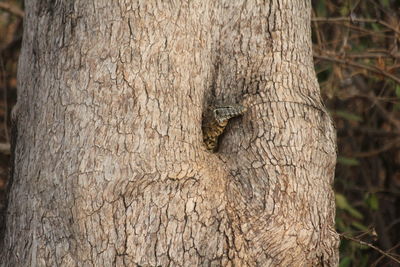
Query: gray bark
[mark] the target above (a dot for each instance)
(110, 167)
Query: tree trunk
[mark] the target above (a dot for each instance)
(110, 165)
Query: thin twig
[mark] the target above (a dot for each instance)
(381, 257)
(318, 32)
(370, 246)
(371, 153)
(369, 55)
(12, 9)
(388, 116)
(348, 19)
(361, 66)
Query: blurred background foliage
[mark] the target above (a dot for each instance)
(11, 16)
(357, 60)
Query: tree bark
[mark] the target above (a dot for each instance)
(110, 167)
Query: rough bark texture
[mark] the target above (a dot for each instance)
(110, 168)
